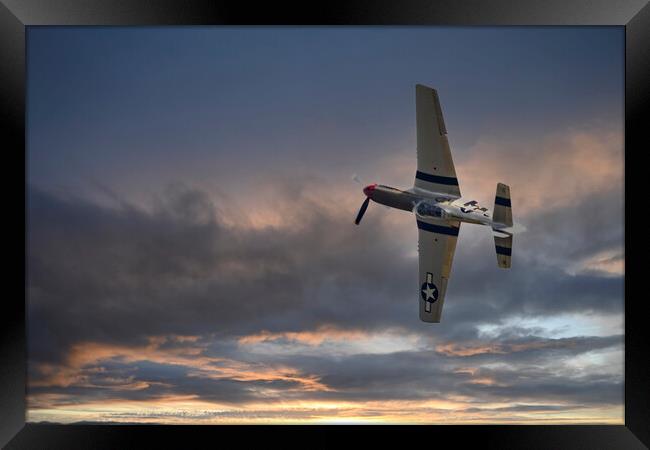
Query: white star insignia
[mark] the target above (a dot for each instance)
(429, 291)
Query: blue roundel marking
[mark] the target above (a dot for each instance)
(429, 292)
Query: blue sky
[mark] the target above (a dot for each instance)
(191, 252)
(167, 103)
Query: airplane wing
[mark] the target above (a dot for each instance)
(435, 170)
(436, 246)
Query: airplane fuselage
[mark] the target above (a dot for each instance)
(429, 204)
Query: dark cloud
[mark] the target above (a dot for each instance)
(114, 274)
(120, 274)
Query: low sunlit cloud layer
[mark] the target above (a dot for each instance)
(213, 273)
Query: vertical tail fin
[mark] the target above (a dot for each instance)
(502, 218)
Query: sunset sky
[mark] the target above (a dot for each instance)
(192, 256)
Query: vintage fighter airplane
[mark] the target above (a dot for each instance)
(435, 201)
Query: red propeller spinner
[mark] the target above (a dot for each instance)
(368, 189)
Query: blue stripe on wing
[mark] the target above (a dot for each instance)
(450, 181)
(440, 229)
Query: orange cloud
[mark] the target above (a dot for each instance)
(554, 172)
(608, 262)
(466, 370)
(314, 338)
(85, 358)
(478, 348)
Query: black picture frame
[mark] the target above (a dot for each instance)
(16, 15)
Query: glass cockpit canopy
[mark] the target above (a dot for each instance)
(425, 209)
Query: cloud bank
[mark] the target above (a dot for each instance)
(205, 309)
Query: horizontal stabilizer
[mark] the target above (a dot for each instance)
(503, 247)
(502, 206)
(502, 221)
